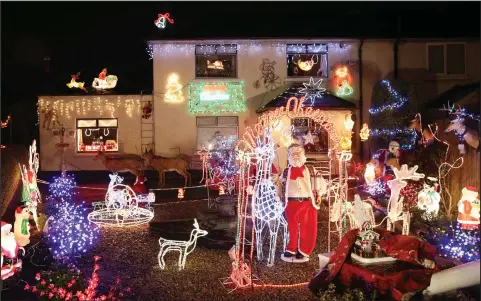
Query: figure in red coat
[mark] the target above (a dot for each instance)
(468, 209)
(301, 210)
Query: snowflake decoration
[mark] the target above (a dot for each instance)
(312, 90)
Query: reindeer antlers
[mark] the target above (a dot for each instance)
(405, 174)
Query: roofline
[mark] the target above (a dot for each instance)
(263, 110)
(294, 40)
(94, 95)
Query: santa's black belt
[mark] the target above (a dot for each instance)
(298, 199)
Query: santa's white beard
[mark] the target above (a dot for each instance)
(298, 162)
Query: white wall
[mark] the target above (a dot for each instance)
(127, 108)
(176, 127)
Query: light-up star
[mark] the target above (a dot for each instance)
(312, 90)
(308, 138)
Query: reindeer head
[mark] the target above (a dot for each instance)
(199, 232)
(405, 174)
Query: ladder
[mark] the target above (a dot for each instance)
(147, 125)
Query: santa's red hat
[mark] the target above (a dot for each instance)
(470, 192)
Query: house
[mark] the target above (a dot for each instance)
(204, 87)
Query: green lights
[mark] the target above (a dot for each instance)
(216, 97)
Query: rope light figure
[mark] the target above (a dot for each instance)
(121, 206)
(30, 192)
(183, 247)
(254, 140)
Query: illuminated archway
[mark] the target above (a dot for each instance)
(259, 136)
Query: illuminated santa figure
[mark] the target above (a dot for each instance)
(301, 210)
(468, 209)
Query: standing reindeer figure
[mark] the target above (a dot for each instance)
(131, 163)
(395, 206)
(183, 247)
(162, 165)
(267, 206)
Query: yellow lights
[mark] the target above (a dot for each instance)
(348, 123)
(364, 133)
(370, 173)
(345, 143)
(174, 90)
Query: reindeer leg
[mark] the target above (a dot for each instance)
(259, 226)
(273, 230)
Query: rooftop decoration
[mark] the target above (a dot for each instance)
(162, 20)
(74, 84)
(217, 97)
(312, 90)
(104, 81)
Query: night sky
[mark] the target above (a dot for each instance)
(87, 36)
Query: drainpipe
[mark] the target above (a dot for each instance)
(359, 53)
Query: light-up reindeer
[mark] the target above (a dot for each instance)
(395, 206)
(30, 193)
(267, 207)
(183, 247)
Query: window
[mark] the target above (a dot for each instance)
(307, 60)
(320, 138)
(449, 59)
(97, 134)
(217, 132)
(216, 61)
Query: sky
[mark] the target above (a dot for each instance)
(87, 36)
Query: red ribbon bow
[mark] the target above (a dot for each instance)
(297, 172)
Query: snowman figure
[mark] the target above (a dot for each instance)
(429, 198)
(468, 209)
(21, 228)
(10, 250)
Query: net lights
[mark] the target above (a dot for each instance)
(235, 103)
(398, 99)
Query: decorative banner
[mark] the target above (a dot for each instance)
(220, 97)
(162, 19)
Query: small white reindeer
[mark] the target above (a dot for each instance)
(183, 247)
(395, 206)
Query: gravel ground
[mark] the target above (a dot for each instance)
(131, 255)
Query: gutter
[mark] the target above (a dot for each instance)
(359, 53)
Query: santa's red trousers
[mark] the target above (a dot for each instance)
(302, 223)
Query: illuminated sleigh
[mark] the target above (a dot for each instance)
(121, 206)
(105, 84)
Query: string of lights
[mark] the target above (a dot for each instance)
(396, 132)
(398, 100)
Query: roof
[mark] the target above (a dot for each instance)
(326, 101)
(453, 95)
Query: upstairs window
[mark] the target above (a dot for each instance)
(447, 59)
(216, 61)
(95, 135)
(307, 60)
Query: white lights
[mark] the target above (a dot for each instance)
(183, 247)
(348, 123)
(395, 205)
(174, 90)
(121, 207)
(10, 249)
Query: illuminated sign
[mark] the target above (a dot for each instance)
(213, 93)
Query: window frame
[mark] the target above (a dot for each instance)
(310, 126)
(97, 127)
(236, 76)
(445, 57)
(306, 46)
(197, 126)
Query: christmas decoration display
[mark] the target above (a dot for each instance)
(71, 285)
(161, 164)
(174, 90)
(312, 90)
(183, 247)
(221, 162)
(10, 248)
(4, 125)
(370, 174)
(469, 209)
(301, 210)
(147, 110)
(360, 212)
(343, 81)
(307, 65)
(180, 193)
(458, 126)
(104, 81)
(429, 198)
(267, 206)
(270, 79)
(458, 243)
(74, 84)
(217, 97)
(30, 192)
(21, 227)
(366, 248)
(162, 20)
(215, 65)
(395, 206)
(121, 207)
(85, 107)
(69, 232)
(364, 133)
